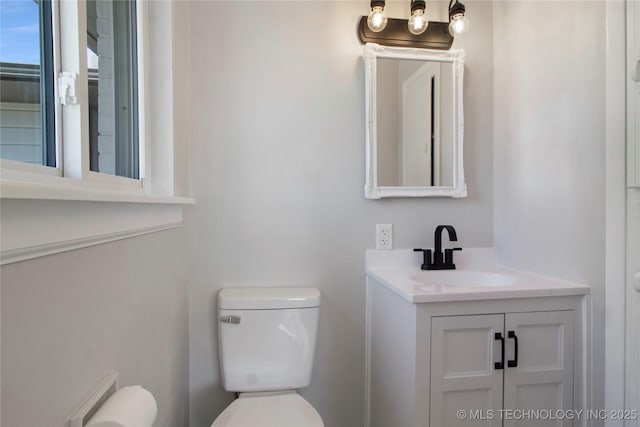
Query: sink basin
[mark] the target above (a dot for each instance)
(464, 279)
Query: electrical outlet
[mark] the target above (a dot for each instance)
(384, 236)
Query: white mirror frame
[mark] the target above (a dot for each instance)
(373, 51)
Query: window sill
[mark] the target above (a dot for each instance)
(10, 189)
(43, 219)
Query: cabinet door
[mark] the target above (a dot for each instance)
(543, 377)
(463, 376)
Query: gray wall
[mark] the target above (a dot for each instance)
(71, 318)
(549, 149)
(277, 162)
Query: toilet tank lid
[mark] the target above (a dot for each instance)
(268, 298)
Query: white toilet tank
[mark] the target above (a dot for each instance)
(267, 337)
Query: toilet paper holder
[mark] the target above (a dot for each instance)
(98, 396)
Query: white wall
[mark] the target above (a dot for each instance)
(549, 149)
(71, 318)
(277, 162)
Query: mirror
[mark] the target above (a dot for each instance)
(414, 122)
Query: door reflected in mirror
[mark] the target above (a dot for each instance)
(414, 123)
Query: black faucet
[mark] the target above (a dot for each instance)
(440, 262)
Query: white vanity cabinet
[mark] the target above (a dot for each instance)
(426, 361)
(470, 369)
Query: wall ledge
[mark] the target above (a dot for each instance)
(33, 228)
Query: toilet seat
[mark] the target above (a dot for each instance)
(273, 409)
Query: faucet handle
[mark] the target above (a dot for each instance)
(426, 258)
(448, 255)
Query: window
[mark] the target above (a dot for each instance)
(113, 112)
(69, 94)
(27, 82)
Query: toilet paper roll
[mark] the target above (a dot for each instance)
(131, 406)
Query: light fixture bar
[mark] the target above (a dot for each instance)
(395, 34)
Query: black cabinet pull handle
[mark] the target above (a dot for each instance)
(513, 363)
(500, 364)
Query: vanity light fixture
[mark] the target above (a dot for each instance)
(417, 31)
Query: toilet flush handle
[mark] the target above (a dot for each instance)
(233, 320)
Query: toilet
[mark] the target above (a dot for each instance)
(266, 342)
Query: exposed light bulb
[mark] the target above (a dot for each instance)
(418, 22)
(459, 24)
(377, 20)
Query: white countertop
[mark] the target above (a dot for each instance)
(395, 269)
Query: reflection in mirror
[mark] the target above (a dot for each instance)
(415, 124)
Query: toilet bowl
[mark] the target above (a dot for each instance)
(266, 343)
(271, 409)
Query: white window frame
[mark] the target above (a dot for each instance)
(72, 121)
(96, 207)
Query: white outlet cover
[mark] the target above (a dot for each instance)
(384, 236)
